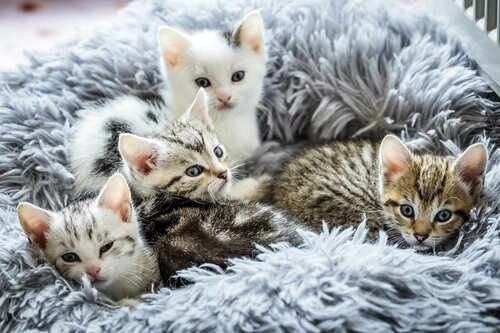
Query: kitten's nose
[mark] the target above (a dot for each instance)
(93, 271)
(421, 237)
(222, 175)
(223, 98)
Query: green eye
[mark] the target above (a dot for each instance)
(70, 257)
(193, 171)
(202, 82)
(218, 152)
(407, 210)
(238, 76)
(443, 216)
(106, 247)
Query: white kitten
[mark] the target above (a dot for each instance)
(231, 67)
(98, 238)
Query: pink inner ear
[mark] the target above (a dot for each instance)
(123, 210)
(254, 44)
(37, 232)
(392, 166)
(173, 57)
(472, 176)
(145, 163)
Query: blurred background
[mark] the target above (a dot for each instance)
(39, 25)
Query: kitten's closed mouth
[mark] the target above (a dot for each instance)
(225, 106)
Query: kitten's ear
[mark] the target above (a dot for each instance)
(173, 44)
(471, 167)
(139, 153)
(394, 157)
(115, 196)
(251, 32)
(198, 110)
(35, 222)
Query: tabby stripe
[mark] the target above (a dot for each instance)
(172, 182)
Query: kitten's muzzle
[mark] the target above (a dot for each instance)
(222, 175)
(420, 237)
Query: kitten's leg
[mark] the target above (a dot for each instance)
(129, 302)
(248, 188)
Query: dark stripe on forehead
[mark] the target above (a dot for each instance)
(172, 181)
(198, 146)
(417, 185)
(391, 203)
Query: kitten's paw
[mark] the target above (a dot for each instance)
(129, 302)
(248, 188)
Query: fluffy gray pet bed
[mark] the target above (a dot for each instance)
(337, 69)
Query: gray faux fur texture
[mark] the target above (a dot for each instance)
(337, 69)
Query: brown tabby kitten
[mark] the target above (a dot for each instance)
(183, 233)
(421, 200)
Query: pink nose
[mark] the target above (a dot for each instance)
(223, 98)
(93, 271)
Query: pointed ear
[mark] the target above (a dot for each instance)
(173, 44)
(198, 110)
(394, 157)
(139, 153)
(250, 32)
(471, 167)
(115, 196)
(35, 222)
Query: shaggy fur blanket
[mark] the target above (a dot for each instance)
(337, 69)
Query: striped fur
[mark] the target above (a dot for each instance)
(185, 233)
(341, 183)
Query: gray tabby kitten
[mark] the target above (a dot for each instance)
(98, 238)
(183, 233)
(183, 156)
(422, 200)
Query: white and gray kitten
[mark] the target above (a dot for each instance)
(230, 66)
(98, 238)
(183, 157)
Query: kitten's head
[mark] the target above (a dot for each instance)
(98, 238)
(428, 198)
(186, 158)
(229, 65)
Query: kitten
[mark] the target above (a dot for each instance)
(421, 200)
(230, 66)
(183, 157)
(98, 238)
(183, 233)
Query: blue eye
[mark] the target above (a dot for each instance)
(406, 210)
(70, 257)
(106, 247)
(202, 82)
(218, 152)
(443, 216)
(238, 76)
(193, 171)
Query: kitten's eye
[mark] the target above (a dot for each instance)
(218, 152)
(238, 76)
(202, 82)
(193, 171)
(70, 257)
(443, 216)
(106, 247)
(406, 210)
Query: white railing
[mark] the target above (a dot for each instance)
(477, 24)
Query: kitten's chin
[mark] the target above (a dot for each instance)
(421, 247)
